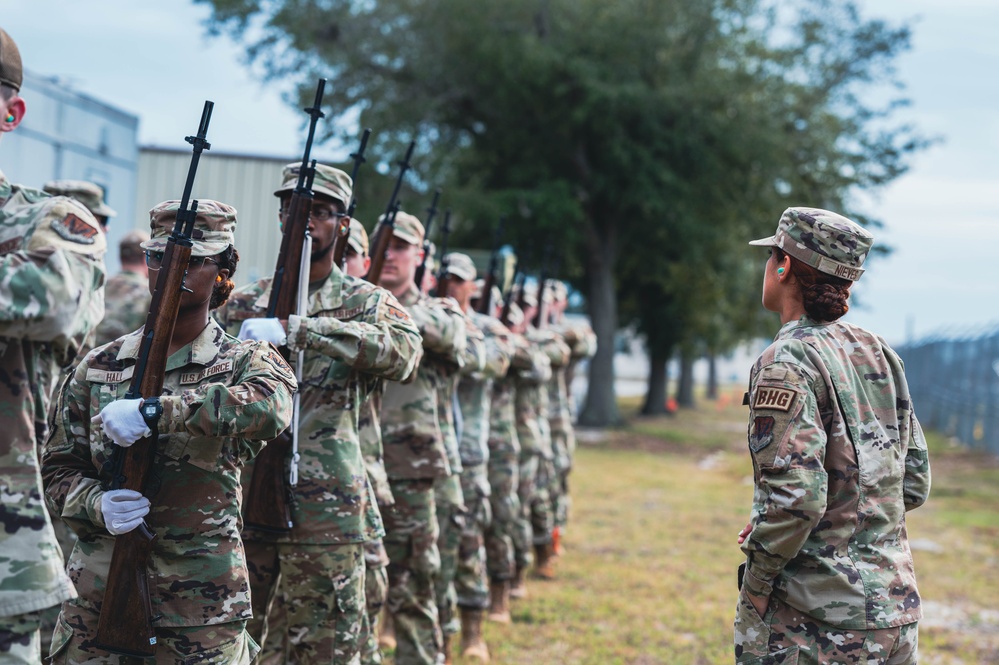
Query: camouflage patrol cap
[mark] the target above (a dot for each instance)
(516, 315)
(529, 296)
(130, 246)
(329, 181)
(89, 194)
(460, 265)
(214, 226)
(827, 241)
(407, 227)
(559, 290)
(11, 71)
(358, 238)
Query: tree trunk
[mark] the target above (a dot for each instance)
(600, 408)
(655, 397)
(685, 389)
(712, 391)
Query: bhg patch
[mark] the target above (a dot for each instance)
(776, 399)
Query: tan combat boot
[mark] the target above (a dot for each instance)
(499, 602)
(472, 644)
(386, 631)
(543, 568)
(518, 588)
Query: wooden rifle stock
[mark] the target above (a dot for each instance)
(421, 270)
(267, 500)
(486, 301)
(443, 276)
(343, 230)
(384, 229)
(125, 625)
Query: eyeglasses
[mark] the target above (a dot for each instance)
(154, 260)
(320, 213)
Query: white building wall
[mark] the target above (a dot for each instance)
(69, 135)
(243, 181)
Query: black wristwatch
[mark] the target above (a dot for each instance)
(151, 411)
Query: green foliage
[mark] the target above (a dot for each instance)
(647, 140)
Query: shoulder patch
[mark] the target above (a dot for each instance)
(74, 229)
(762, 434)
(397, 313)
(777, 399)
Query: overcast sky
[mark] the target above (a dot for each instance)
(942, 218)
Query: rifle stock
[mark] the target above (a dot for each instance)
(125, 625)
(384, 228)
(421, 270)
(486, 301)
(268, 498)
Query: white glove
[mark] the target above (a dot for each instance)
(123, 510)
(122, 421)
(265, 330)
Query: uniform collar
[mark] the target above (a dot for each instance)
(329, 296)
(202, 351)
(787, 328)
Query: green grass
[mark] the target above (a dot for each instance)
(649, 570)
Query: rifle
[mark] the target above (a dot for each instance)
(267, 501)
(125, 625)
(343, 230)
(518, 274)
(541, 316)
(486, 301)
(421, 270)
(384, 234)
(443, 278)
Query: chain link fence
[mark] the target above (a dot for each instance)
(954, 382)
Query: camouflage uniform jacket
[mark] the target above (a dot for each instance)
(126, 298)
(838, 458)
(582, 342)
(504, 439)
(475, 390)
(411, 430)
(355, 333)
(51, 297)
(369, 433)
(473, 360)
(532, 393)
(222, 400)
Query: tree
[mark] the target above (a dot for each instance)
(611, 129)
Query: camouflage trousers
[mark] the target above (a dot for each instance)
(375, 590)
(67, 540)
(504, 478)
(451, 520)
(219, 644)
(471, 584)
(414, 562)
(564, 448)
(786, 635)
(323, 600)
(20, 638)
(535, 524)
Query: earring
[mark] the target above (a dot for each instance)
(780, 271)
(218, 278)
(10, 117)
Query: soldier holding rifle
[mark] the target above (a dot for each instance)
(351, 333)
(221, 400)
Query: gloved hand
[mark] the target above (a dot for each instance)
(265, 330)
(123, 510)
(122, 421)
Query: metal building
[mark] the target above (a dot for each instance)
(69, 135)
(245, 182)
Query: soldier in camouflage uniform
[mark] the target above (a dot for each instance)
(357, 262)
(582, 344)
(353, 335)
(90, 194)
(51, 297)
(474, 395)
(838, 460)
(504, 567)
(415, 453)
(537, 470)
(198, 582)
(126, 296)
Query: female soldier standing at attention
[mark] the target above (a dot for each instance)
(838, 459)
(222, 400)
